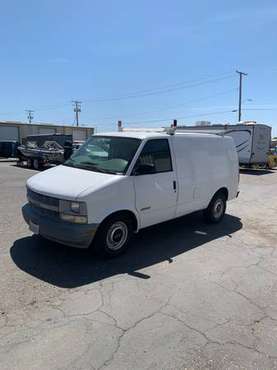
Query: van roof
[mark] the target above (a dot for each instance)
(152, 134)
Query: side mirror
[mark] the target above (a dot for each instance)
(144, 169)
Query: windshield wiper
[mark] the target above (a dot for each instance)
(94, 166)
(91, 166)
(112, 172)
(89, 163)
(68, 164)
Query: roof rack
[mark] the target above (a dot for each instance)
(168, 130)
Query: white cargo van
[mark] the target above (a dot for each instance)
(119, 183)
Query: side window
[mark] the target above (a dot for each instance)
(154, 158)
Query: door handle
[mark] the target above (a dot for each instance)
(174, 186)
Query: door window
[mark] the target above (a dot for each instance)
(154, 158)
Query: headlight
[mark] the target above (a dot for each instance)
(73, 211)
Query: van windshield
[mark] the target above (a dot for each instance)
(107, 154)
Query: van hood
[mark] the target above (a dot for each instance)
(68, 183)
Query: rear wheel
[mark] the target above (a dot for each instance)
(113, 236)
(216, 209)
(29, 163)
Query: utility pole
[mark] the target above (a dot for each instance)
(240, 92)
(30, 115)
(77, 109)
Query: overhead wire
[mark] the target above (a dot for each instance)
(159, 91)
(139, 94)
(179, 117)
(157, 110)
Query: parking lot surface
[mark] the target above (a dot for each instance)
(185, 296)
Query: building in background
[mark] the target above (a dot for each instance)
(12, 130)
(203, 123)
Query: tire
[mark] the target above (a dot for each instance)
(113, 236)
(216, 209)
(36, 164)
(29, 163)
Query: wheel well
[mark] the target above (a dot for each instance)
(224, 191)
(125, 213)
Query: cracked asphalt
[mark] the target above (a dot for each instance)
(185, 296)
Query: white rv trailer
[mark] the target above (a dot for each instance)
(252, 140)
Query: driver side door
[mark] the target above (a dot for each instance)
(155, 183)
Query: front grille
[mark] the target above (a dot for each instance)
(43, 201)
(44, 211)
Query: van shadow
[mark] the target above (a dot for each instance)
(69, 268)
(256, 172)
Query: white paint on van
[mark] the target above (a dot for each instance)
(202, 164)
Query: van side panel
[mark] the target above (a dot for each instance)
(185, 173)
(211, 168)
(204, 165)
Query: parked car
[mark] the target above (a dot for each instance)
(117, 184)
(8, 148)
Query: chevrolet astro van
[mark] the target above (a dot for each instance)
(119, 183)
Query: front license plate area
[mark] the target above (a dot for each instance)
(34, 227)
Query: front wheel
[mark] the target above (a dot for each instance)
(216, 209)
(113, 236)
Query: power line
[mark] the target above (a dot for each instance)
(197, 115)
(77, 110)
(180, 117)
(240, 92)
(158, 91)
(157, 110)
(260, 109)
(154, 91)
(194, 115)
(143, 93)
(30, 115)
(52, 107)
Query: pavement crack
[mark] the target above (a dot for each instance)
(241, 295)
(112, 318)
(189, 327)
(125, 331)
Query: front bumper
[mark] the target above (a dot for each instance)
(57, 230)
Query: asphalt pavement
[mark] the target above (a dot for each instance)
(185, 296)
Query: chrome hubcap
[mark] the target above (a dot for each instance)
(218, 208)
(117, 235)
